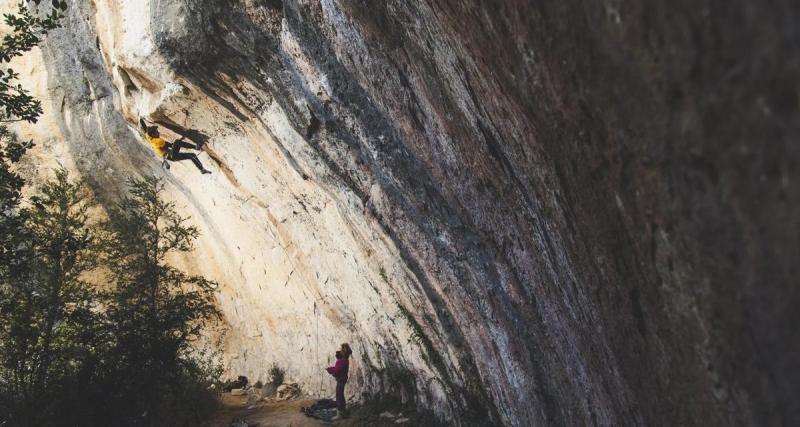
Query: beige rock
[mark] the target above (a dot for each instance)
(288, 391)
(297, 259)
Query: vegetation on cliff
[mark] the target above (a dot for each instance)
(96, 328)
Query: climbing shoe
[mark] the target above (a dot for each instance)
(205, 171)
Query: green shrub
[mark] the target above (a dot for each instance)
(276, 375)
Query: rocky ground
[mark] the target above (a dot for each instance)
(236, 411)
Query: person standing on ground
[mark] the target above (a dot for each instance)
(170, 151)
(339, 371)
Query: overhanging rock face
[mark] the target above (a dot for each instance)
(520, 214)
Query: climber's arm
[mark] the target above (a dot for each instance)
(143, 125)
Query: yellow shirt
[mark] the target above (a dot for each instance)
(158, 144)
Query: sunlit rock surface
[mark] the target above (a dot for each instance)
(566, 213)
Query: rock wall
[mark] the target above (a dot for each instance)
(517, 213)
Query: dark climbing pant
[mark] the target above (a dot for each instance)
(175, 154)
(341, 405)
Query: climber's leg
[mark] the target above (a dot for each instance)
(183, 144)
(178, 156)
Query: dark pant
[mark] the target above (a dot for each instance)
(341, 405)
(175, 154)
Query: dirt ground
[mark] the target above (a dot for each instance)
(282, 413)
(263, 414)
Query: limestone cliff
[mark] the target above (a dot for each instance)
(520, 213)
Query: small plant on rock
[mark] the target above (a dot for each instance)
(276, 375)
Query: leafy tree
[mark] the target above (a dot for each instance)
(16, 250)
(11, 218)
(157, 311)
(27, 31)
(65, 245)
(70, 355)
(73, 355)
(48, 317)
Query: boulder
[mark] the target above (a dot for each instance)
(288, 391)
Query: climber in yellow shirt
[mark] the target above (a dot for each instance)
(170, 151)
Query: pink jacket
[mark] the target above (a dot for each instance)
(339, 371)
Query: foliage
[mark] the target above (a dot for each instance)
(46, 308)
(71, 354)
(155, 310)
(26, 351)
(276, 375)
(11, 218)
(27, 31)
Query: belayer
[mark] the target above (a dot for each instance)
(339, 371)
(170, 150)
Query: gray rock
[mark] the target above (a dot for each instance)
(563, 212)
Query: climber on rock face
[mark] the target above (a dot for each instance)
(339, 371)
(170, 151)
